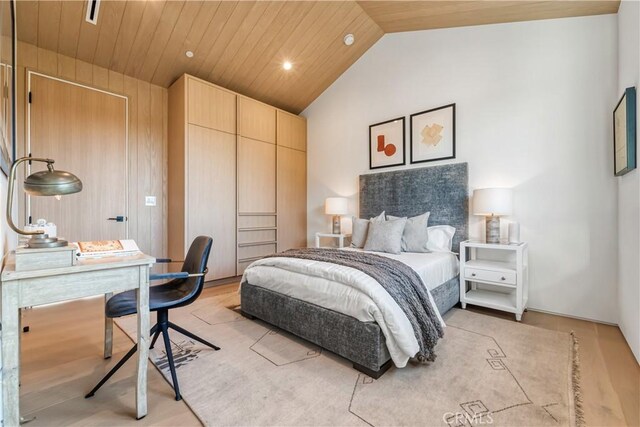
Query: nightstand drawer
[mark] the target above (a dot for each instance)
(508, 277)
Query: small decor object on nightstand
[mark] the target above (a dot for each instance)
(624, 133)
(336, 206)
(501, 285)
(492, 203)
(514, 233)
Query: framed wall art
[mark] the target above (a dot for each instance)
(433, 134)
(624, 133)
(386, 144)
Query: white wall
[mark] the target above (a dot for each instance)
(629, 184)
(534, 103)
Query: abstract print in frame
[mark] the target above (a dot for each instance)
(433, 134)
(624, 133)
(386, 144)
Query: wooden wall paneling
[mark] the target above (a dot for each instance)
(49, 29)
(66, 67)
(165, 28)
(163, 200)
(84, 72)
(211, 174)
(47, 62)
(131, 91)
(110, 17)
(146, 27)
(256, 120)
(151, 131)
(291, 131)
(100, 77)
(187, 33)
(156, 160)
(116, 82)
(292, 198)
(128, 29)
(210, 106)
(176, 185)
(144, 168)
(256, 176)
(70, 19)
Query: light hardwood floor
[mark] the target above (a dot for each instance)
(61, 360)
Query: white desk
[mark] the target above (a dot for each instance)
(21, 289)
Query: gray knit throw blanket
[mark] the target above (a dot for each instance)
(399, 280)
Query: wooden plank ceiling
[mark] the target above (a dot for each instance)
(242, 45)
(395, 16)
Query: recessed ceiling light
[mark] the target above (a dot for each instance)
(189, 54)
(287, 65)
(349, 39)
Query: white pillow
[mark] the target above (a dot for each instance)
(440, 238)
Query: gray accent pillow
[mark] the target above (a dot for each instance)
(385, 236)
(360, 229)
(416, 234)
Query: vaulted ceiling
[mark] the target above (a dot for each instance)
(242, 45)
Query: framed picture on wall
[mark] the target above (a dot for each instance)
(433, 134)
(624, 133)
(386, 144)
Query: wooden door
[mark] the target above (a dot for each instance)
(85, 131)
(211, 196)
(292, 199)
(256, 177)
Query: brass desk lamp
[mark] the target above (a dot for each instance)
(49, 182)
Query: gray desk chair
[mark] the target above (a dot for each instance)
(184, 289)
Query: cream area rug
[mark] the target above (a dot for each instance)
(488, 371)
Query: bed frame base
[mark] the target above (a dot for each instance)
(373, 374)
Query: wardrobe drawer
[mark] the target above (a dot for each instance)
(255, 251)
(476, 274)
(256, 221)
(242, 266)
(256, 236)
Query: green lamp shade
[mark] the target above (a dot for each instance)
(52, 183)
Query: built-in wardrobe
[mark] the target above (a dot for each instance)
(237, 172)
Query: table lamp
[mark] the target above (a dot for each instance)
(492, 203)
(49, 182)
(336, 206)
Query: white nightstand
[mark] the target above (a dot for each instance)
(498, 276)
(340, 238)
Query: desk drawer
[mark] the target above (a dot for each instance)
(473, 274)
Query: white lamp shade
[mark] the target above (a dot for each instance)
(493, 201)
(336, 206)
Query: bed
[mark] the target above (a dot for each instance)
(319, 318)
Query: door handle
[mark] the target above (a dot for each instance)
(118, 218)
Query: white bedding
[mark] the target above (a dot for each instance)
(354, 293)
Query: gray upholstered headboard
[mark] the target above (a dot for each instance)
(442, 190)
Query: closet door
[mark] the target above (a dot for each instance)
(292, 199)
(211, 196)
(256, 181)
